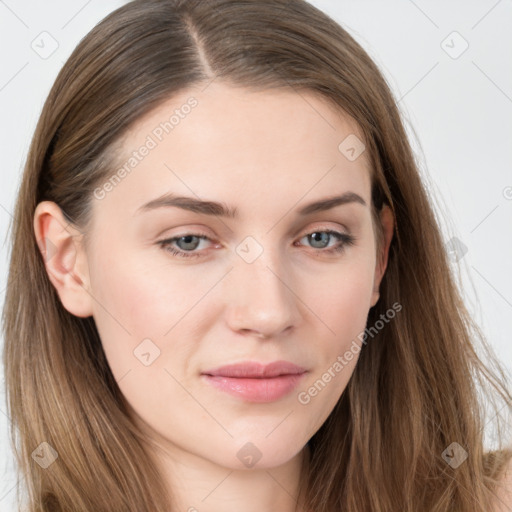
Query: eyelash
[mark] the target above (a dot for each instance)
(346, 241)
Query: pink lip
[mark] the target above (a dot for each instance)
(255, 382)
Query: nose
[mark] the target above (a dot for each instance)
(260, 299)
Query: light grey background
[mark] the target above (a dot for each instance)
(457, 106)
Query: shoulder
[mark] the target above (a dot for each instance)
(504, 493)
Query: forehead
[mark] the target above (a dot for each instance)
(232, 143)
(296, 114)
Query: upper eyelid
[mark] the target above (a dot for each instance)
(322, 227)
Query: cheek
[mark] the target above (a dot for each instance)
(126, 309)
(134, 302)
(342, 299)
(142, 324)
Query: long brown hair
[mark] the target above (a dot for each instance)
(415, 389)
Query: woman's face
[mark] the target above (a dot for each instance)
(260, 286)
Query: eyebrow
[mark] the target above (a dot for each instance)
(221, 209)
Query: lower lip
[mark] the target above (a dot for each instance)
(256, 390)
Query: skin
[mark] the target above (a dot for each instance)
(267, 154)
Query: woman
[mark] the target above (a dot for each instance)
(228, 289)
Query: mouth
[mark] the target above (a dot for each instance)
(254, 382)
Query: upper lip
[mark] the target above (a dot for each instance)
(253, 369)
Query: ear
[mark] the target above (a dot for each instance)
(64, 257)
(388, 223)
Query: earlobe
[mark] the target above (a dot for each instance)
(64, 258)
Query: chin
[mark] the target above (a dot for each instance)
(259, 454)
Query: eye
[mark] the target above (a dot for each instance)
(321, 238)
(189, 242)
